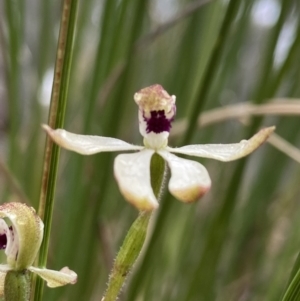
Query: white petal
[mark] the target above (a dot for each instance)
(88, 145)
(225, 152)
(189, 179)
(132, 172)
(56, 278)
(13, 246)
(142, 123)
(3, 227)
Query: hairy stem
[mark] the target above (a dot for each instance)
(135, 237)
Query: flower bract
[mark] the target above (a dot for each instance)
(189, 179)
(21, 234)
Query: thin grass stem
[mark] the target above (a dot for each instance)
(56, 119)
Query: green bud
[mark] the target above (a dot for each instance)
(24, 243)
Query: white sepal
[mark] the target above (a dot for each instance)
(56, 278)
(225, 152)
(189, 179)
(88, 145)
(132, 172)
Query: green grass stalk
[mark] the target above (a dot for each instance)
(56, 119)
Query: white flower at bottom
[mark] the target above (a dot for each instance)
(189, 179)
(21, 242)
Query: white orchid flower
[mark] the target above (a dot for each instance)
(21, 242)
(189, 179)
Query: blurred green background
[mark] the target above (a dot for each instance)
(241, 240)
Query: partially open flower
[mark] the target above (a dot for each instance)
(21, 241)
(189, 179)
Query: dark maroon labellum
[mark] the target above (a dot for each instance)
(3, 241)
(158, 122)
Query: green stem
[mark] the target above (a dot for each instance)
(127, 255)
(56, 119)
(135, 237)
(17, 286)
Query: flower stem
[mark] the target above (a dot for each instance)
(56, 119)
(135, 237)
(127, 255)
(17, 286)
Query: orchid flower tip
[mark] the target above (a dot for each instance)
(271, 128)
(46, 127)
(268, 131)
